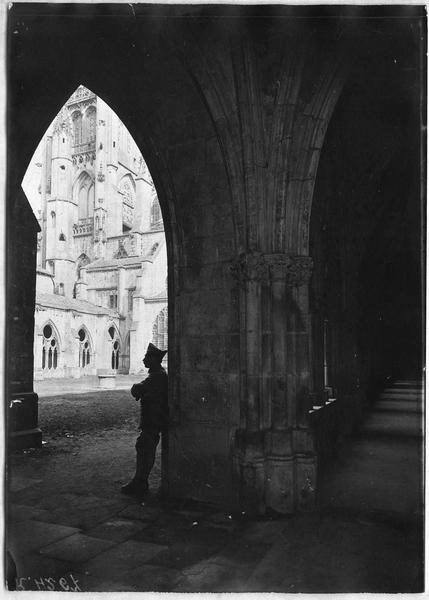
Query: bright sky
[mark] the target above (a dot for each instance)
(32, 178)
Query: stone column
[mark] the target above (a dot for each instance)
(82, 285)
(274, 458)
(250, 271)
(122, 298)
(138, 325)
(37, 352)
(21, 426)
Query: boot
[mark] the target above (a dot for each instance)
(135, 487)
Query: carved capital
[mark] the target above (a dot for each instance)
(255, 266)
(250, 267)
(278, 266)
(299, 271)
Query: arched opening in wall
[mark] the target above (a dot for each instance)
(127, 189)
(49, 350)
(124, 361)
(83, 196)
(160, 330)
(390, 298)
(85, 351)
(101, 226)
(114, 348)
(365, 240)
(81, 263)
(367, 283)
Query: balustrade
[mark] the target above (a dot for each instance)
(84, 226)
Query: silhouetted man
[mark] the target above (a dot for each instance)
(153, 396)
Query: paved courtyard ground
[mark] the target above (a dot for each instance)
(88, 443)
(82, 385)
(69, 526)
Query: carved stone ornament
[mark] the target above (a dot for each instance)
(62, 123)
(278, 265)
(80, 94)
(142, 170)
(249, 267)
(299, 271)
(255, 266)
(121, 253)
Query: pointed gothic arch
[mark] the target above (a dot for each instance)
(86, 347)
(201, 73)
(81, 262)
(114, 340)
(81, 184)
(160, 329)
(155, 213)
(55, 329)
(127, 189)
(83, 194)
(125, 356)
(89, 125)
(51, 346)
(77, 128)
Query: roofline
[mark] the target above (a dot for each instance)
(113, 267)
(86, 312)
(152, 299)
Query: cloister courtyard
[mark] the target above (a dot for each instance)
(286, 147)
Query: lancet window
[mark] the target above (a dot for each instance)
(116, 348)
(77, 128)
(155, 214)
(160, 330)
(126, 188)
(49, 349)
(90, 124)
(84, 348)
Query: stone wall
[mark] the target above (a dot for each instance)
(231, 126)
(21, 407)
(66, 325)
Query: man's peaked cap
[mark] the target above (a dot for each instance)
(154, 351)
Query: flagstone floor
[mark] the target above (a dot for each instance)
(69, 528)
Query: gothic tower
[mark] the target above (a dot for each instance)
(59, 207)
(100, 205)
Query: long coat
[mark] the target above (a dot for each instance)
(153, 395)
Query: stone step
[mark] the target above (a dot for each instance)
(405, 397)
(396, 426)
(416, 392)
(402, 397)
(403, 390)
(411, 401)
(398, 406)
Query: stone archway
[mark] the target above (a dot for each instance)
(365, 238)
(223, 259)
(232, 134)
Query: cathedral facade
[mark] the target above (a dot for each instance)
(101, 287)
